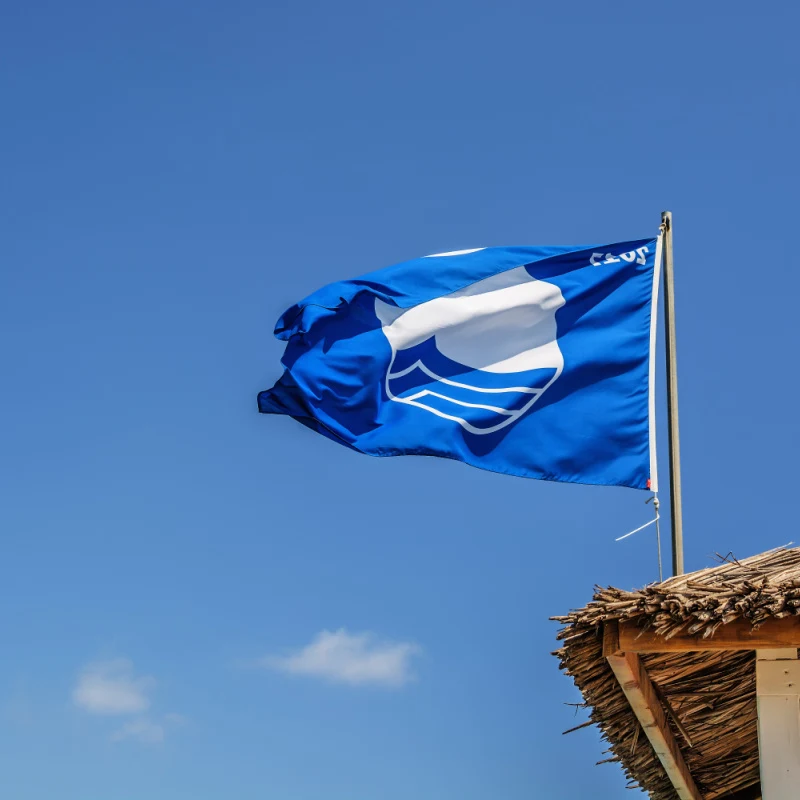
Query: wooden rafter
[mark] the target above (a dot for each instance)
(644, 702)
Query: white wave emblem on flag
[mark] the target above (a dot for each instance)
(481, 356)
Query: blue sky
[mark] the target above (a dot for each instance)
(177, 573)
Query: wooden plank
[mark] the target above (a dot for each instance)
(644, 703)
(738, 635)
(778, 677)
(778, 695)
(776, 654)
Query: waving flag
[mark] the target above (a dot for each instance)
(530, 361)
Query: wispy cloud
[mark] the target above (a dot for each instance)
(147, 730)
(357, 659)
(141, 729)
(111, 687)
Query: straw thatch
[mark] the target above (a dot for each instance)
(709, 697)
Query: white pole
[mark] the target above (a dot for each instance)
(778, 696)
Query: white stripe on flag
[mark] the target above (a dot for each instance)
(652, 389)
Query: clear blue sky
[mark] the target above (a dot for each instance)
(174, 175)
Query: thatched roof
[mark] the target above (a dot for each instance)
(709, 697)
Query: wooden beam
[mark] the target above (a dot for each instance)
(738, 635)
(645, 704)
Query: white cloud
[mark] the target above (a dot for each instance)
(110, 687)
(356, 659)
(141, 729)
(149, 731)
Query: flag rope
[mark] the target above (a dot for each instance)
(654, 521)
(656, 506)
(636, 530)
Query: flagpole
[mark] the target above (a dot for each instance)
(672, 399)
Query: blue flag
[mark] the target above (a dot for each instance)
(530, 361)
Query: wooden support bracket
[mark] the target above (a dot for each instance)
(645, 704)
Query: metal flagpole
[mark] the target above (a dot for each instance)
(672, 399)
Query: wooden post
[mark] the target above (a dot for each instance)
(778, 695)
(672, 399)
